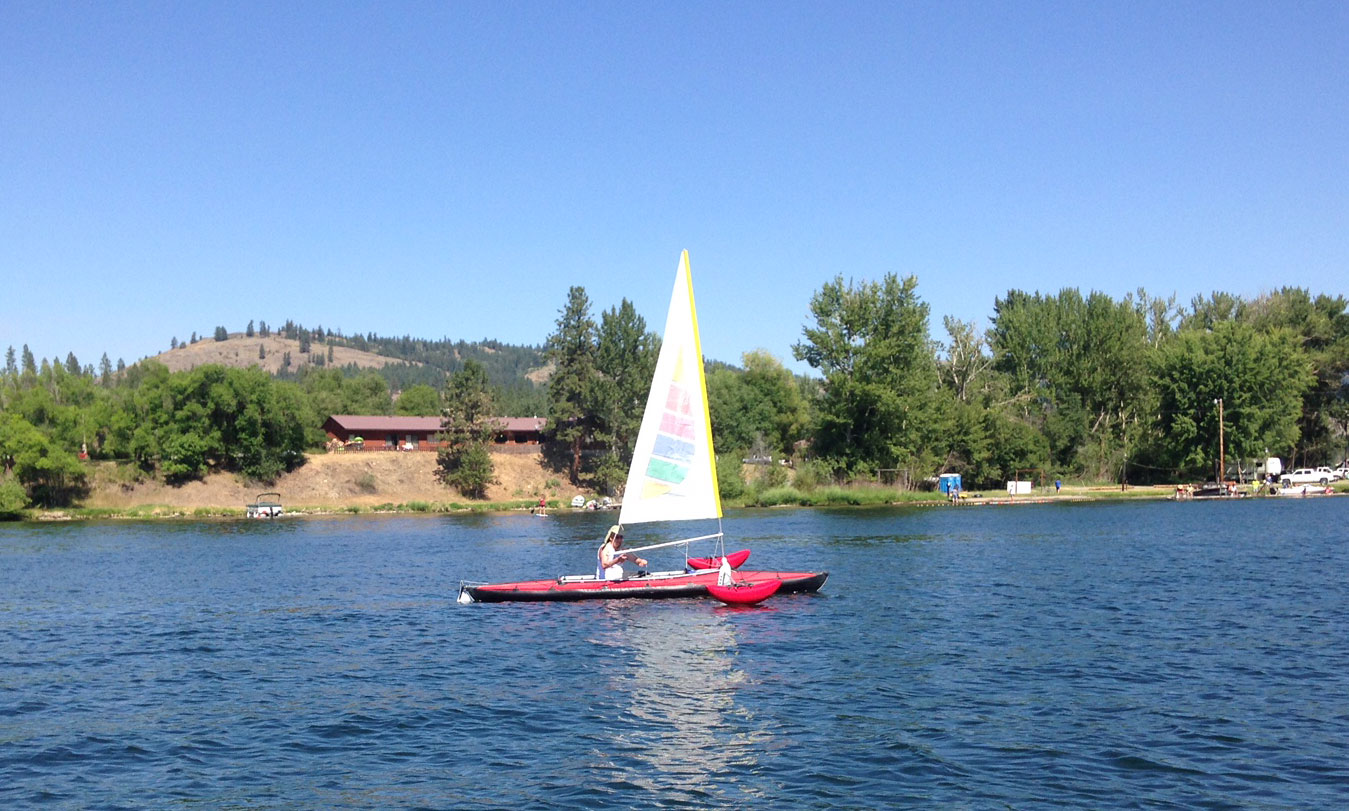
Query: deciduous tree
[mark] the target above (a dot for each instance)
(871, 343)
(1261, 379)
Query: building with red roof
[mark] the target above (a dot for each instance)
(360, 432)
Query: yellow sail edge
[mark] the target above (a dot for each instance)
(702, 383)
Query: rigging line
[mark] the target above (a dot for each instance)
(673, 543)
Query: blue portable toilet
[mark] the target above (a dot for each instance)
(948, 482)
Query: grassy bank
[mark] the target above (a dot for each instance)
(163, 511)
(784, 496)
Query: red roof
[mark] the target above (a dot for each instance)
(523, 424)
(359, 424)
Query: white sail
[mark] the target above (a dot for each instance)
(673, 476)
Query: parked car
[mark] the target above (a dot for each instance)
(1342, 471)
(1307, 475)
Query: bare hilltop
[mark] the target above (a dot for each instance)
(268, 354)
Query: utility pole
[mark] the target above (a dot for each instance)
(1222, 449)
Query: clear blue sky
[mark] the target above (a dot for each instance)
(450, 169)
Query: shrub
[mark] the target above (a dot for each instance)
(809, 475)
(13, 498)
(467, 468)
(773, 476)
(730, 480)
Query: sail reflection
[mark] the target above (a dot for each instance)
(682, 721)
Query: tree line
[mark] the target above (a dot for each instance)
(1059, 385)
(176, 426)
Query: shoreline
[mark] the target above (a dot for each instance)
(860, 497)
(832, 497)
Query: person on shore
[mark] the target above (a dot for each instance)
(610, 559)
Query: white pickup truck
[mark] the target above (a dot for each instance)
(1307, 475)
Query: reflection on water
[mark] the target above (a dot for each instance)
(681, 723)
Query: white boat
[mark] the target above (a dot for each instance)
(1301, 490)
(673, 477)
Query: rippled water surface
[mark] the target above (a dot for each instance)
(1127, 655)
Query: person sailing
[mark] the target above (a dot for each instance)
(609, 565)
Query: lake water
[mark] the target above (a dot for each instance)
(1145, 655)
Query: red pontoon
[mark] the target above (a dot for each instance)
(735, 559)
(654, 585)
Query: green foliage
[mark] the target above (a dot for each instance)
(759, 405)
(730, 478)
(810, 475)
(625, 359)
(467, 468)
(1261, 378)
(187, 423)
(870, 341)
(1071, 384)
(772, 475)
(468, 425)
(572, 351)
(13, 497)
(49, 475)
(418, 401)
(1080, 367)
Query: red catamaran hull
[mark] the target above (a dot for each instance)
(653, 587)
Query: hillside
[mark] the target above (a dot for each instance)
(520, 371)
(241, 352)
(339, 480)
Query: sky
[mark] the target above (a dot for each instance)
(451, 169)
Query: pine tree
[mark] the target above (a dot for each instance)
(570, 391)
(467, 426)
(248, 332)
(625, 357)
(221, 334)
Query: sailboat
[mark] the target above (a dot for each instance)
(672, 478)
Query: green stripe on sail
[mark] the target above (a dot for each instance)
(662, 470)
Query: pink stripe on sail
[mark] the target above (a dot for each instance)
(675, 425)
(678, 400)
